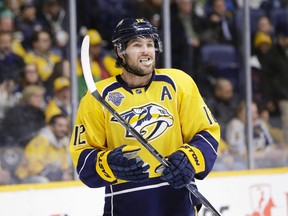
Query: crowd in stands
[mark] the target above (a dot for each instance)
(206, 42)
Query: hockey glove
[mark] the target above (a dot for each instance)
(180, 172)
(122, 163)
(184, 163)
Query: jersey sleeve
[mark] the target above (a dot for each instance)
(88, 138)
(201, 132)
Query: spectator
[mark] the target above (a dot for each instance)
(10, 63)
(54, 19)
(46, 157)
(42, 54)
(266, 153)
(186, 28)
(275, 131)
(7, 25)
(27, 23)
(10, 68)
(23, 121)
(275, 76)
(29, 76)
(102, 62)
(61, 102)
(231, 5)
(221, 26)
(10, 158)
(262, 44)
(14, 7)
(263, 26)
(7, 97)
(61, 69)
(6, 21)
(223, 102)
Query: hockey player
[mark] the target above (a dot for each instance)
(166, 108)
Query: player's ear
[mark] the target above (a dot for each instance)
(120, 54)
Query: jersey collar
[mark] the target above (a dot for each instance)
(129, 89)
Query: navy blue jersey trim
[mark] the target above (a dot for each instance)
(110, 88)
(86, 168)
(153, 197)
(208, 138)
(155, 77)
(165, 78)
(206, 143)
(129, 89)
(123, 84)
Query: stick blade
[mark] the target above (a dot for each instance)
(85, 63)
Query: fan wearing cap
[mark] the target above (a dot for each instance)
(261, 46)
(166, 108)
(61, 102)
(275, 72)
(102, 62)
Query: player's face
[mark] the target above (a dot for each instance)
(140, 56)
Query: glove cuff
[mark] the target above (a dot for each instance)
(195, 157)
(102, 167)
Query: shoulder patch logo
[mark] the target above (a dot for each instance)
(115, 97)
(149, 120)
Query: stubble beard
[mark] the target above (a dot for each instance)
(136, 70)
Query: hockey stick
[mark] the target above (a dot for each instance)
(85, 61)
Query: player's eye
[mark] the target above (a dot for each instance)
(150, 45)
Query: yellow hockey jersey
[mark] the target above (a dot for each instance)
(169, 112)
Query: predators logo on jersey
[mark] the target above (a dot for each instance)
(150, 120)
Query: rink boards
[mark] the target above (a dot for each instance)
(237, 193)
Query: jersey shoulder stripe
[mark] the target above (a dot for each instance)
(165, 78)
(110, 88)
(182, 82)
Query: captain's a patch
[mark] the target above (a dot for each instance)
(115, 97)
